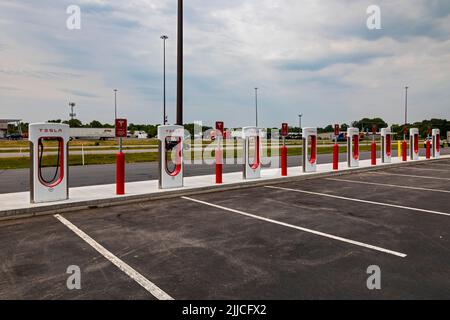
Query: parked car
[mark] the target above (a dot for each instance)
(14, 136)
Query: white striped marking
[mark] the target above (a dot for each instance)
(318, 233)
(133, 274)
(387, 185)
(408, 175)
(427, 169)
(439, 164)
(360, 200)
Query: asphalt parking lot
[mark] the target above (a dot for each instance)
(311, 239)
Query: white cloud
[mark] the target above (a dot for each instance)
(305, 56)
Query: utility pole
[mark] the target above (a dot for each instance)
(406, 104)
(115, 104)
(164, 38)
(256, 106)
(180, 64)
(406, 110)
(300, 122)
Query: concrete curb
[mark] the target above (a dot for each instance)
(116, 201)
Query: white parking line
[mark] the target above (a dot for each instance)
(133, 274)
(388, 185)
(427, 169)
(318, 233)
(439, 164)
(408, 175)
(360, 200)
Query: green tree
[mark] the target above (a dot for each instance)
(74, 123)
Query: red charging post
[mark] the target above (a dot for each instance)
(219, 156)
(121, 132)
(404, 145)
(284, 134)
(336, 148)
(374, 146)
(428, 149)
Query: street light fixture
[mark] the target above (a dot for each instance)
(72, 115)
(164, 38)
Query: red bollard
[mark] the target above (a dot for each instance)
(219, 166)
(336, 157)
(284, 161)
(404, 150)
(428, 152)
(374, 153)
(120, 173)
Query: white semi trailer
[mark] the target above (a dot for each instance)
(92, 133)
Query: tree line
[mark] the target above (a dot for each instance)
(364, 125)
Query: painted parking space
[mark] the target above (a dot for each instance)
(418, 201)
(35, 256)
(253, 243)
(193, 251)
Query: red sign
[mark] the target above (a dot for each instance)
(337, 128)
(219, 127)
(121, 128)
(405, 130)
(374, 128)
(284, 129)
(429, 130)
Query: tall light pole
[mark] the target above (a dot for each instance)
(300, 122)
(256, 105)
(406, 104)
(164, 38)
(180, 64)
(406, 110)
(72, 114)
(115, 104)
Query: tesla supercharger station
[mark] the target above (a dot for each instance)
(309, 137)
(386, 145)
(53, 187)
(353, 147)
(252, 152)
(170, 156)
(414, 143)
(436, 143)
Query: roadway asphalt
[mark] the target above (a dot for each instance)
(272, 242)
(80, 176)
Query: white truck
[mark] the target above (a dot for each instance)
(92, 133)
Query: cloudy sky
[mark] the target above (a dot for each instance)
(315, 57)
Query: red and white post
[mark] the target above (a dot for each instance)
(121, 132)
(404, 145)
(336, 147)
(219, 152)
(428, 145)
(284, 133)
(374, 146)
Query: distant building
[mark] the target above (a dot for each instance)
(4, 126)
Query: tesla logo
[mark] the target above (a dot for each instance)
(46, 130)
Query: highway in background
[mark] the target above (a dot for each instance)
(79, 176)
